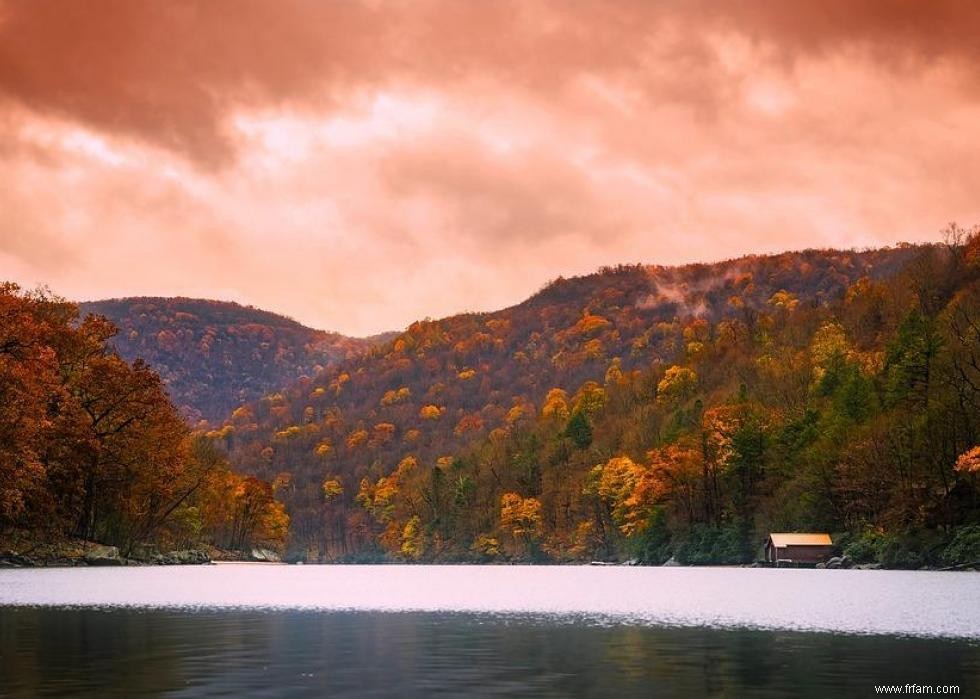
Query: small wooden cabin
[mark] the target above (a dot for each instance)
(798, 548)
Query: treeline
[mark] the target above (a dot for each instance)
(646, 413)
(91, 447)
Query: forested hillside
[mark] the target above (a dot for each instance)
(647, 412)
(214, 355)
(91, 448)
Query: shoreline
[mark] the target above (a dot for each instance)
(11, 561)
(72, 553)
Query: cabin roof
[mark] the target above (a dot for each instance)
(800, 539)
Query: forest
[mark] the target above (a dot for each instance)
(649, 413)
(93, 450)
(641, 413)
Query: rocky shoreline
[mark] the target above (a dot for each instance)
(102, 556)
(79, 553)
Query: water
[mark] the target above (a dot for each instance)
(549, 631)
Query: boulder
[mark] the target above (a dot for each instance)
(264, 556)
(834, 563)
(868, 566)
(104, 556)
(846, 562)
(820, 566)
(671, 562)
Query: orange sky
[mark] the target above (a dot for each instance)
(359, 165)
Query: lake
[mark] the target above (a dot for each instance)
(270, 630)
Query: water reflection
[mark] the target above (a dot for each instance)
(95, 652)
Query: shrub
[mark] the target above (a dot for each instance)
(964, 547)
(865, 548)
(652, 545)
(902, 552)
(707, 545)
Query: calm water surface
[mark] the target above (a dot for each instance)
(268, 630)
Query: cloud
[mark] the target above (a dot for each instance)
(362, 164)
(170, 73)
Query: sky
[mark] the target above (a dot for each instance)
(361, 164)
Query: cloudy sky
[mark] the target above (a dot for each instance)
(361, 164)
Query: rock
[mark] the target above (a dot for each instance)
(671, 562)
(264, 556)
(834, 563)
(632, 562)
(295, 557)
(9, 559)
(103, 556)
(145, 553)
(183, 558)
(104, 561)
(846, 562)
(868, 566)
(820, 566)
(99, 551)
(190, 557)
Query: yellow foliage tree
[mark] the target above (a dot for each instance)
(589, 398)
(520, 517)
(332, 488)
(430, 412)
(784, 300)
(590, 323)
(677, 385)
(828, 342)
(413, 539)
(556, 404)
(392, 397)
(356, 439)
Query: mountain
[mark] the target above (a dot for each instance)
(409, 448)
(215, 355)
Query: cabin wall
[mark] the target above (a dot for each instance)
(808, 554)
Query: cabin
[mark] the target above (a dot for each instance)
(798, 548)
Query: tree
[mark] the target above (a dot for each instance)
(521, 519)
(579, 430)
